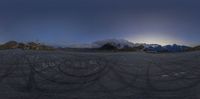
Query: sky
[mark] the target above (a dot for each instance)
(64, 22)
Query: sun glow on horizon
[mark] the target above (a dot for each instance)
(155, 39)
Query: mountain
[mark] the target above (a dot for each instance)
(108, 46)
(176, 48)
(167, 48)
(27, 46)
(9, 45)
(155, 48)
(196, 48)
(125, 45)
(118, 43)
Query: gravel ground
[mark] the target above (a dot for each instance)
(77, 75)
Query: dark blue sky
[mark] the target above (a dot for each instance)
(64, 22)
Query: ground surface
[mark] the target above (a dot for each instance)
(76, 75)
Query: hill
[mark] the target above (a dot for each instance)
(25, 46)
(196, 48)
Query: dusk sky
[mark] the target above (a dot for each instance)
(63, 22)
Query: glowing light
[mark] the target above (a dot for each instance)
(155, 38)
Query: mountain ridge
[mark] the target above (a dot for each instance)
(107, 44)
(122, 44)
